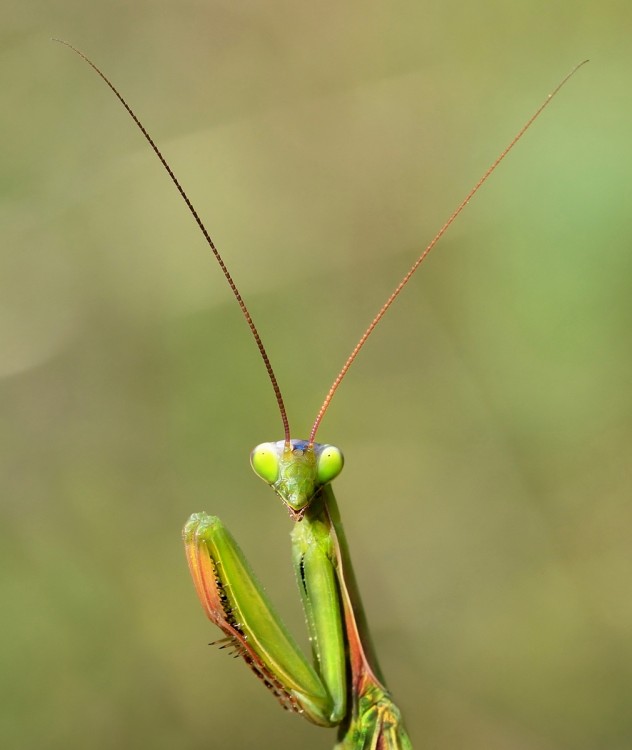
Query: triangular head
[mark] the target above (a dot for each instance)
(296, 470)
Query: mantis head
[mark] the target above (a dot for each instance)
(296, 469)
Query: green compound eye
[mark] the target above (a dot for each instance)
(330, 463)
(264, 459)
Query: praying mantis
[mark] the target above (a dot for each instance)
(342, 686)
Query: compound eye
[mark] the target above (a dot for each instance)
(330, 463)
(264, 459)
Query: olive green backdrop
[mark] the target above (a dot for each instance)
(487, 425)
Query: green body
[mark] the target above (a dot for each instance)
(343, 685)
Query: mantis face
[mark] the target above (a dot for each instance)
(296, 470)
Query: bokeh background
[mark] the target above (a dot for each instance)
(487, 426)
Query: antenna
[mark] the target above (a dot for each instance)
(207, 237)
(424, 254)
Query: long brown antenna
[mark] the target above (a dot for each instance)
(207, 236)
(422, 257)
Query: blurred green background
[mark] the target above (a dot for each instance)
(487, 426)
